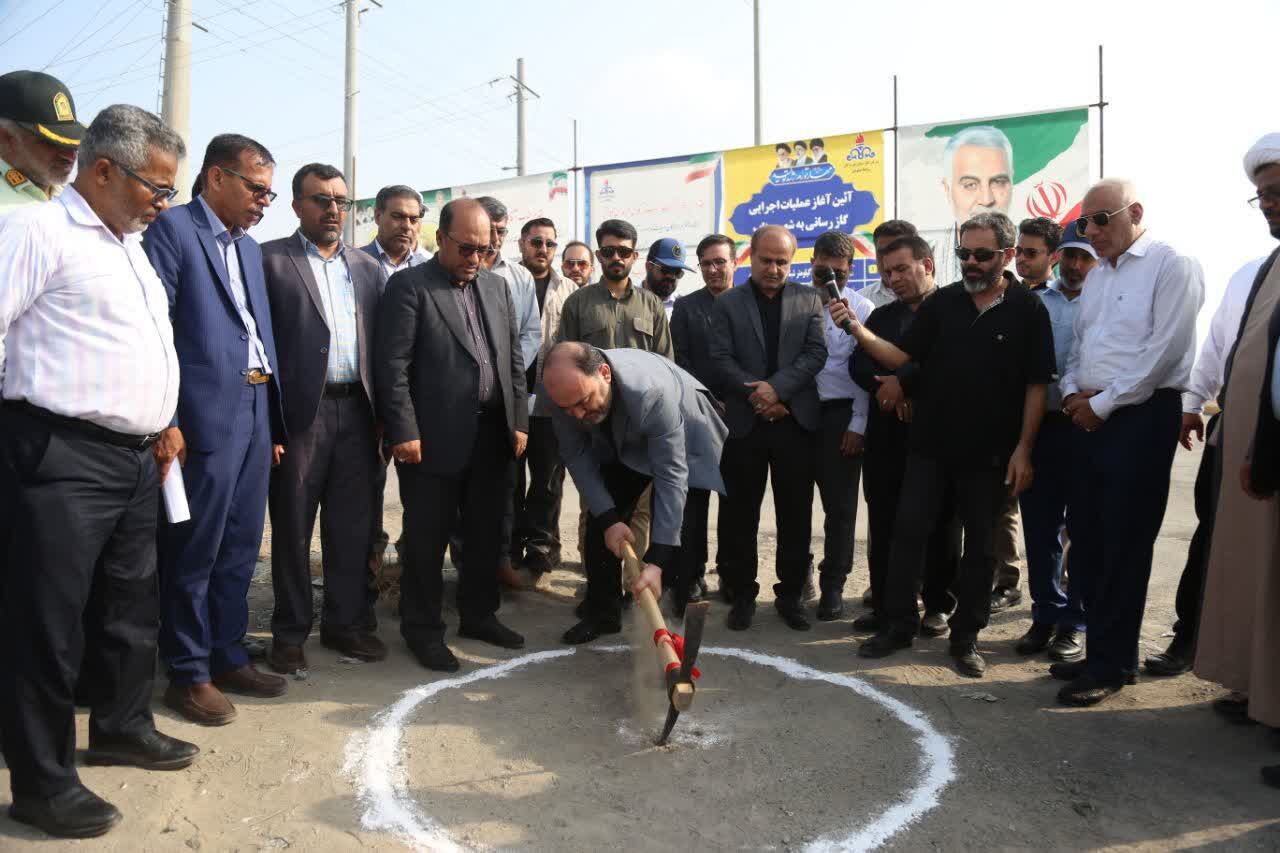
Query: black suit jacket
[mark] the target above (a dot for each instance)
(302, 336)
(691, 336)
(739, 355)
(426, 370)
(1264, 456)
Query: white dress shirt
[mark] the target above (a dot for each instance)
(413, 259)
(84, 320)
(877, 294)
(1136, 328)
(1211, 365)
(524, 293)
(226, 239)
(834, 381)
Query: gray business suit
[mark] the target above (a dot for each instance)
(427, 371)
(758, 449)
(663, 428)
(331, 459)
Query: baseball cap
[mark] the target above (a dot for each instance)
(1071, 239)
(669, 253)
(43, 105)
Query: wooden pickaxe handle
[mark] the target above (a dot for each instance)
(682, 695)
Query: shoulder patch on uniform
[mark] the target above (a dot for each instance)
(13, 177)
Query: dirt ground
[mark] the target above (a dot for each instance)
(813, 747)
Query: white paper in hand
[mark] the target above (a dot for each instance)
(174, 492)
(533, 398)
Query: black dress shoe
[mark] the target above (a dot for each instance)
(934, 624)
(1174, 660)
(152, 751)
(885, 643)
(74, 813)
(354, 644)
(867, 622)
(968, 661)
(1036, 640)
(1004, 597)
(740, 614)
(1067, 645)
(589, 629)
(1271, 775)
(539, 563)
(434, 655)
(493, 632)
(1087, 690)
(1073, 670)
(793, 614)
(831, 605)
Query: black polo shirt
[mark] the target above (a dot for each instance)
(974, 372)
(770, 322)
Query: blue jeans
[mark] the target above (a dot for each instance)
(1044, 515)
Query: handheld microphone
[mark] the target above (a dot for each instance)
(832, 289)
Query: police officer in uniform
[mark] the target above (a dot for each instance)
(39, 137)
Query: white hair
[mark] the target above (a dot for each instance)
(125, 134)
(980, 136)
(1126, 188)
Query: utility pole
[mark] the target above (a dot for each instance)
(756, 65)
(175, 103)
(521, 91)
(349, 115)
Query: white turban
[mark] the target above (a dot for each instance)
(1263, 153)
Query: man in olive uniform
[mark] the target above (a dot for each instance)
(39, 137)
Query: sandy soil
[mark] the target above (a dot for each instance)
(556, 754)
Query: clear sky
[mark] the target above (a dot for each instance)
(1189, 84)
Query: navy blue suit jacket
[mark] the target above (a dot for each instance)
(207, 331)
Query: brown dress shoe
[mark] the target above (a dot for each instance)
(356, 644)
(286, 659)
(200, 703)
(247, 681)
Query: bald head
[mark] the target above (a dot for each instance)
(577, 379)
(1115, 202)
(772, 248)
(463, 238)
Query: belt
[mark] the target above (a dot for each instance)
(83, 427)
(333, 390)
(835, 404)
(257, 377)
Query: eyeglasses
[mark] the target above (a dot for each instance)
(714, 263)
(979, 255)
(1028, 252)
(158, 193)
(397, 216)
(1265, 197)
(619, 252)
(501, 232)
(324, 201)
(1101, 218)
(569, 262)
(540, 243)
(258, 190)
(468, 249)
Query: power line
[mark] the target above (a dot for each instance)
(66, 48)
(29, 24)
(124, 26)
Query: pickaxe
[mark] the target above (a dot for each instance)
(678, 653)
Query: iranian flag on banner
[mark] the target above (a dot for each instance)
(701, 166)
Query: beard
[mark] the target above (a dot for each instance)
(1073, 286)
(661, 289)
(984, 281)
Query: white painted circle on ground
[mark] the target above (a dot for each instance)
(374, 759)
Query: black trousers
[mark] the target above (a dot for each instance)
(331, 468)
(837, 478)
(883, 471)
(536, 503)
(781, 451)
(690, 562)
(1191, 584)
(472, 501)
(1119, 491)
(979, 499)
(80, 584)
(604, 570)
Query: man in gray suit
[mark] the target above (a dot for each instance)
(625, 419)
(768, 345)
(324, 296)
(449, 379)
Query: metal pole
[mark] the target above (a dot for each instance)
(1102, 111)
(520, 161)
(175, 104)
(895, 146)
(575, 179)
(350, 115)
(755, 61)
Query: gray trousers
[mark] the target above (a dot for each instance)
(333, 465)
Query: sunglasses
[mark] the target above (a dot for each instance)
(979, 255)
(667, 271)
(468, 249)
(575, 264)
(542, 243)
(324, 201)
(158, 193)
(258, 190)
(619, 252)
(1028, 252)
(1101, 218)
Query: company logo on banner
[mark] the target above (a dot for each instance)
(809, 187)
(1025, 166)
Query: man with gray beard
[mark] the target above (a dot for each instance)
(984, 354)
